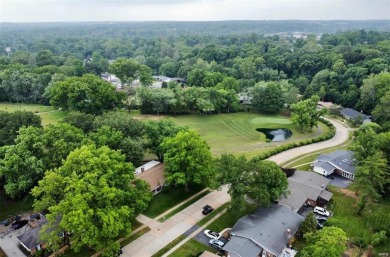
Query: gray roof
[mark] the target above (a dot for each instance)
(242, 247)
(324, 165)
(31, 238)
(353, 113)
(303, 185)
(266, 228)
(340, 159)
(326, 195)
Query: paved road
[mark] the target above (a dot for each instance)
(341, 136)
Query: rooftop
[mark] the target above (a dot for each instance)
(340, 159)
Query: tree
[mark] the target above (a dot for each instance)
(156, 132)
(267, 97)
(128, 70)
(10, 123)
(80, 120)
(94, 195)
(187, 159)
(327, 242)
(97, 64)
(381, 111)
(309, 225)
(89, 94)
(22, 166)
(122, 122)
(262, 182)
(366, 143)
(306, 114)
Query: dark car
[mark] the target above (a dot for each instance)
(5, 222)
(207, 209)
(19, 224)
(321, 219)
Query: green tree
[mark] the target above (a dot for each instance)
(229, 83)
(263, 182)
(328, 242)
(156, 132)
(22, 166)
(267, 97)
(381, 111)
(88, 94)
(80, 120)
(128, 70)
(366, 143)
(10, 123)
(97, 64)
(187, 159)
(94, 195)
(306, 114)
(309, 225)
(122, 122)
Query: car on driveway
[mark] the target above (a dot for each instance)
(321, 219)
(207, 209)
(19, 224)
(211, 234)
(321, 211)
(215, 243)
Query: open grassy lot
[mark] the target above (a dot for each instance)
(168, 199)
(360, 228)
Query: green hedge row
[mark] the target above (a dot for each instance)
(285, 147)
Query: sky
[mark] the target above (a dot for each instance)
(191, 10)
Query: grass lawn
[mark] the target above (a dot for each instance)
(84, 252)
(192, 248)
(168, 199)
(360, 228)
(182, 207)
(48, 114)
(13, 207)
(236, 132)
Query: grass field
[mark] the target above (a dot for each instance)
(359, 228)
(47, 113)
(236, 132)
(13, 207)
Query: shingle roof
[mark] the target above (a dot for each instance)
(266, 228)
(324, 165)
(353, 113)
(31, 238)
(242, 247)
(326, 195)
(303, 185)
(154, 176)
(340, 159)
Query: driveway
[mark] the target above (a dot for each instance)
(339, 181)
(10, 244)
(341, 136)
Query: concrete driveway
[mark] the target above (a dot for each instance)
(10, 244)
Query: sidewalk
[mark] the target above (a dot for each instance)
(164, 233)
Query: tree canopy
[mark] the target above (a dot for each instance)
(187, 159)
(94, 195)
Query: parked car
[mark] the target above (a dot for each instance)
(321, 211)
(19, 224)
(215, 243)
(211, 234)
(319, 225)
(263, 254)
(321, 219)
(207, 209)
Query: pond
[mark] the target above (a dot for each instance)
(276, 135)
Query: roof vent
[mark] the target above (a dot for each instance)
(288, 233)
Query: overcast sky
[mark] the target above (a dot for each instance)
(191, 10)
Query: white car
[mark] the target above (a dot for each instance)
(321, 211)
(216, 244)
(211, 234)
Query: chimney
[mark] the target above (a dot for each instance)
(288, 233)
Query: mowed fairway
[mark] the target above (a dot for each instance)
(48, 114)
(236, 133)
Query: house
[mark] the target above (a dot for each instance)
(168, 79)
(153, 173)
(352, 114)
(306, 188)
(340, 162)
(30, 239)
(268, 229)
(114, 80)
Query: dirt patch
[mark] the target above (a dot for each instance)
(349, 193)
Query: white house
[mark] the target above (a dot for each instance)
(340, 162)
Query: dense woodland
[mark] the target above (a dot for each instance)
(341, 67)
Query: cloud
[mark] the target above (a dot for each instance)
(144, 10)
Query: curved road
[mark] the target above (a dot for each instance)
(341, 136)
